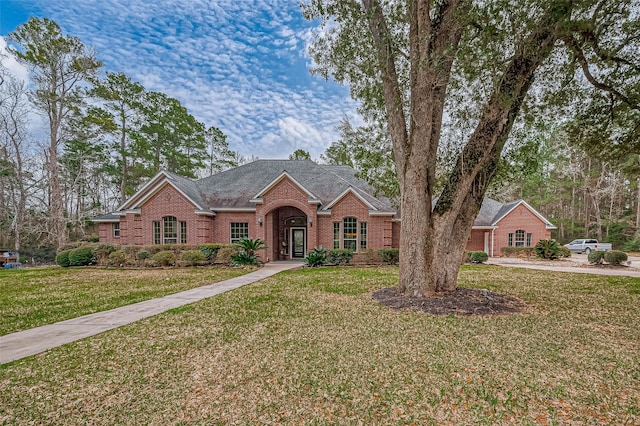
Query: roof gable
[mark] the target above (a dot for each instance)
(155, 184)
(349, 190)
(508, 208)
(284, 175)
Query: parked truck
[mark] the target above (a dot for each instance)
(587, 246)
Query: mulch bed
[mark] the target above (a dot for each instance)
(464, 302)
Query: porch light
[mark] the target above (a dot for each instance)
(310, 221)
(260, 221)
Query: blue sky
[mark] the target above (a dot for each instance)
(240, 65)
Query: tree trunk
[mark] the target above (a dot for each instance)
(123, 157)
(432, 241)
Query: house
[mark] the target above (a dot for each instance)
(294, 206)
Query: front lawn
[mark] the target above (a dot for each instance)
(34, 297)
(312, 347)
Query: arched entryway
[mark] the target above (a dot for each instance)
(289, 233)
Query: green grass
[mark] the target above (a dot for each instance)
(34, 297)
(312, 347)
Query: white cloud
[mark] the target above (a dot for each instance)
(11, 64)
(236, 64)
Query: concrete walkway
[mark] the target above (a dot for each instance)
(30, 342)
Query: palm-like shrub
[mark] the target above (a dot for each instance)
(316, 257)
(248, 248)
(547, 249)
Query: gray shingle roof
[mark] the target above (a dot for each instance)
(234, 188)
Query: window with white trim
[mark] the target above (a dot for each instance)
(183, 232)
(350, 233)
(519, 240)
(169, 230)
(156, 232)
(336, 235)
(116, 229)
(239, 230)
(363, 235)
(529, 237)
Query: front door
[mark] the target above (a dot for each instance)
(298, 242)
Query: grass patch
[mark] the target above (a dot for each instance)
(312, 347)
(39, 296)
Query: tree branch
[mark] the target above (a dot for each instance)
(584, 64)
(390, 85)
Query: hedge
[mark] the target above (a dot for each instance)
(81, 256)
(390, 256)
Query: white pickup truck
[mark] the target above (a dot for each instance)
(587, 246)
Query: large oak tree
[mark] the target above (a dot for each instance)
(421, 65)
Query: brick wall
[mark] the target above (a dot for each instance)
(137, 229)
(476, 240)
(519, 218)
(379, 228)
(105, 233)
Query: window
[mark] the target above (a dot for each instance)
(156, 232)
(183, 232)
(363, 235)
(350, 233)
(116, 229)
(239, 230)
(529, 240)
(510, 244)
(170, 225)
(336, 235)
(519, 238)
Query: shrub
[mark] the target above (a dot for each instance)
(62, 258)
(340, 257)
(164, 258)
(102, 252)
(316, 257)
(563, 251)
(250, 246)
(547, 249)
(210, 251)
(390, 256)
(192, 258)
(508, 251)
(477, 256)
(117, 257)
(225, 254)
(81, 256)
(615, 257)
(244, 258)
(595, 257)
(143, 255)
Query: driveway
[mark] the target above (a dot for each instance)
(577, 263)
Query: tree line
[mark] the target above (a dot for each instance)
(105, 135)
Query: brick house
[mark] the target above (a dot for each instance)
(294, 206)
